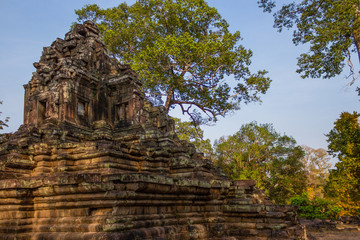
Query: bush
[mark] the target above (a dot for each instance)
(317, 208)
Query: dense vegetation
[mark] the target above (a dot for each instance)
(293, 174)
(315, 208)
(258, 152)
(344, 180)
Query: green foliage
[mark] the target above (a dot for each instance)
(344, 180)
(316, 208)
(3, 122)
(330, 27)
(258, 152)
(316, 162)
(193, 133)
(183, 51)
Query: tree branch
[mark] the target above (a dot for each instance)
(351, 66)
(205, 110)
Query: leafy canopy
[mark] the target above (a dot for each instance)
(344, 180)
(330, 27)
(183, 51)
(258, 152)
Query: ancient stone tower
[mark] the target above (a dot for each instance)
(78, 83)
(94, 160)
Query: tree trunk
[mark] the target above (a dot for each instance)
(357, 42)
(169, 100)
(356, 33)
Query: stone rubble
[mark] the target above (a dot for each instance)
(95, 160)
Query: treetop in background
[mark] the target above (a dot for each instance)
(183, 51)
(258, 152)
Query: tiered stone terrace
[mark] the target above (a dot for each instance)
(95, 160)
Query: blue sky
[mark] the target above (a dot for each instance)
(302, 108)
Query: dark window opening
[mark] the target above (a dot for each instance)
(81, 110)
(41, 111)
(122, 112)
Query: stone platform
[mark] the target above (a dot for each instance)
(95, 160)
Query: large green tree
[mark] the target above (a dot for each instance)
(344, 180)
(258, 152)
(183, 51)
(330, 27)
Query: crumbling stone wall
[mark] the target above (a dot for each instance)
(94, 160)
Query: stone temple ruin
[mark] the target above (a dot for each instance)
(95, 160)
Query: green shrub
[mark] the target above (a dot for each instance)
(317, 208)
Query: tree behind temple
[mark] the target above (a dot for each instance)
(183, 51)
(316, 163)
(344, 180)
(258, 152)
